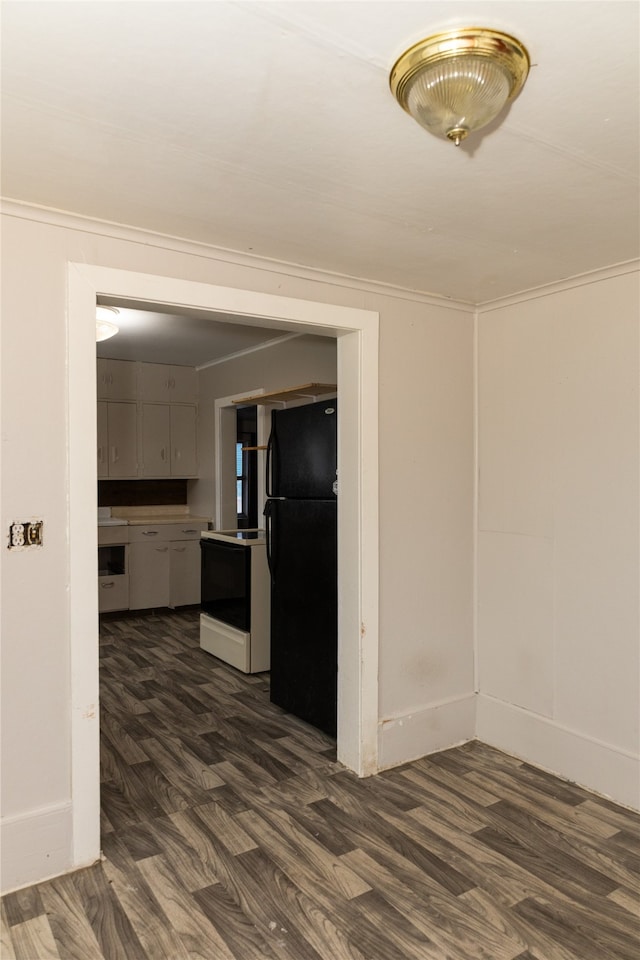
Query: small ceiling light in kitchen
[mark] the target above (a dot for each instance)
(105, 327)
(456, 82)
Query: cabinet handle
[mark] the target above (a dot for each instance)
(189, 531)
(111, 379)
(107, 586)
(163, 454)
(179, 549)
(114, 455)
(162, 549)
(149, 533)
(176, 454)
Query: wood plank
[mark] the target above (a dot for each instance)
(33, 940)
(303, 392)
(230, 831)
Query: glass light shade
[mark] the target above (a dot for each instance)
(105, 327)
(454, 97)
(456, 82)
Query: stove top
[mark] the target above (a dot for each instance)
(244, 534)
(236, 536)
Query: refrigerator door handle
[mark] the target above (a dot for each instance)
(267, 526)
(268, 467)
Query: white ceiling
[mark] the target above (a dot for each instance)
(192, 338)
(268, 127)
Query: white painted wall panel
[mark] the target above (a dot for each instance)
(515, 620)
(517, 442)
(426, 510)
(558, 609)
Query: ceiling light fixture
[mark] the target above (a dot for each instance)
(105, 327)
(456, 82)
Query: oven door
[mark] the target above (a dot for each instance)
(226, 583)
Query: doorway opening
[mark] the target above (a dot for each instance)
(356, 332)
(247, 467)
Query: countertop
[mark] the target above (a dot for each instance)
(152, 516)
(153, 519)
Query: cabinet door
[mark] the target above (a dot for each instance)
(117, 379)
(155, 382)
(183, 441)
(156, 440)
(123, 451)
(103, 440)
(148, 575)
(184, 572)
(113, 593)
(182, 385)
(166, 382)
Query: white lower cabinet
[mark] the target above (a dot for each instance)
(148, 575)
(164, 565)
(113, 593)
(184, 573)
(113, 569)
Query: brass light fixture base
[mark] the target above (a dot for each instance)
(464, 63)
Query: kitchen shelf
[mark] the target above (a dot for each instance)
(308, 391)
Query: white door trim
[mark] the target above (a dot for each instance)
(357, 334)
(220, 457)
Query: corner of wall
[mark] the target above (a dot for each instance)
(434, 728)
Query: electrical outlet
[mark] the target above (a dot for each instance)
(25, 534)
(16, 535)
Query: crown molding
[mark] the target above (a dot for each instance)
(277, 341)
(569, 283)
(118, 231)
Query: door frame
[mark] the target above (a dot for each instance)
(224, 446)
(356, 332)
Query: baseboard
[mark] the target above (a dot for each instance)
(35, 846)
(539, 740)
(436, 727)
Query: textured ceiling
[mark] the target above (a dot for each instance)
(269, 128)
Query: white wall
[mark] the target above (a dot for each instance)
(425, 407)
(558, 629)
(426, 467)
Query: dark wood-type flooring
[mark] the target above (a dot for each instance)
(230, 832)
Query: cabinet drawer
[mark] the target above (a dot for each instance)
(224, 642)
(189, 530)
(150, 533)
(107, 535)
(113, 593)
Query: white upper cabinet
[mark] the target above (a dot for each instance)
(117, 440)
(183, 441)
(155, 440)
(167, 383)
(103, 440)
(117, 379)
(156, 428)
(168, 440)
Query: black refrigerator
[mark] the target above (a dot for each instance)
(302, 551)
